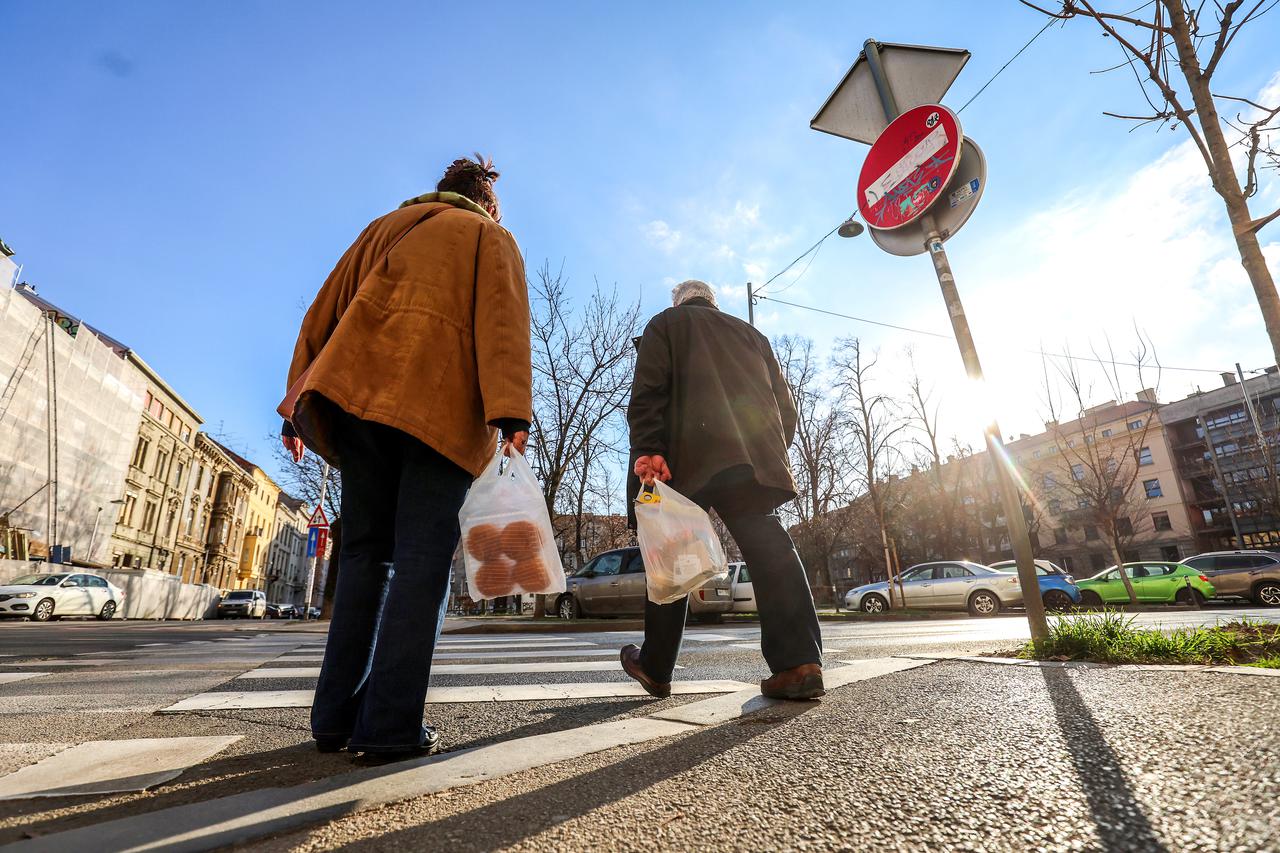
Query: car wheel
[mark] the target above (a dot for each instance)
(43, 611)
(1267, 594)
(568, 608)
(1089, 598)
(1056, 599)
(1186, 595)
(108, 610)
(873, 603)
(983, 603)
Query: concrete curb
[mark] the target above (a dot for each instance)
(1088, 664)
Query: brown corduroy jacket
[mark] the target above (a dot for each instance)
(423, 326)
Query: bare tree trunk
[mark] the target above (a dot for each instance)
(1222, 173)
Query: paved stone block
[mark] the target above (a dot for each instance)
(107, 766)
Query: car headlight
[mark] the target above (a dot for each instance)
(25, 595)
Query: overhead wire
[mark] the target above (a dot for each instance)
(1039, 352)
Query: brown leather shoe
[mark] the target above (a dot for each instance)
(631, 665)
(801, 682)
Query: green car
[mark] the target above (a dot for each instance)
(1155, 583)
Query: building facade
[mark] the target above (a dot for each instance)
(287, 561)
(61, 465)
(223, 494)
(258, 519)
(1225, 443)
(157, 487)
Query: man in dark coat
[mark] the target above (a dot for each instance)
(711, 413)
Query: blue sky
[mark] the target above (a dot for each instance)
(185, 175)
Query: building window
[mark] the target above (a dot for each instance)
(1082, 503)
(1152, 488)
(1055, 507)
(140, 452)
(1134, 425)
(1124, 526)
(1169, 553)
(1069, 563)
(1144, 457)
(1060, 536)
(1099, 562)
(155, 407)
(191, 520)
(1106, 433)
(186, 434)
(1160, 521)
(1077, 471)
(162, 459)
(1049, 481)
(149, 517)
(177, 475)
(1090, 533)
(1088, 439)
(1036, 454)
(126, 509)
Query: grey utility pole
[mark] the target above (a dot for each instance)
(315, 560)
(751, 304)
(1017, 523)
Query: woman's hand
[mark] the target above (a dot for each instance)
(294, 445)
(518, 440)
(650, 467)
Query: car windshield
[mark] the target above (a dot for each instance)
(38, 580)
(240, 595)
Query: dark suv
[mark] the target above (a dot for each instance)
(1254, 575)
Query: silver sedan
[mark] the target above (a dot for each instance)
(948, 585)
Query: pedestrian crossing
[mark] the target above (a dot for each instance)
(114, 693)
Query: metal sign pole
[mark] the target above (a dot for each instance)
(1019, 539)
(315, 558)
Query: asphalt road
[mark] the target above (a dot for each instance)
(936, 731)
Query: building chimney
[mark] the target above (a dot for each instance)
(1048, 425)
(1148, 395)
(26, 287)
(1023, 436)
(1228, 379)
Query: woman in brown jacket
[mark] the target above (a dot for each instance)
(414, 352)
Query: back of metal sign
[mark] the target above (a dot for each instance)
(952, 210)
(917, 75)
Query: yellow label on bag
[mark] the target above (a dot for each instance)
(648, 498)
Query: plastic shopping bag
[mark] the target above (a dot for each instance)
(680, 547)
(507, 542)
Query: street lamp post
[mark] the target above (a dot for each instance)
(317, 557)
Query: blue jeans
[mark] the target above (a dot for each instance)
(789, 632)
(400, 502)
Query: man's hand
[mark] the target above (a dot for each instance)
(293, 444)
(518, 440)
(650, 467)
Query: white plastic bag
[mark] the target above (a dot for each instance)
(680, 547)
(507, 542)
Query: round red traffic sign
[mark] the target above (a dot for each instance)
(909, 164)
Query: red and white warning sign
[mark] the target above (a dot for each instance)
(909, 164)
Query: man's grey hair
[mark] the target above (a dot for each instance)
(693, 289)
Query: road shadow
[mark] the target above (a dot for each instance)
(514, 819)
(1118, 817)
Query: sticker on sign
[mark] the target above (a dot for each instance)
(910, 162)
(964, 192)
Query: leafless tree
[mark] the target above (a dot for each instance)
(583, 361)
(1099, 449)
(876, 426)
(820, 456)
(302, 479)
(1174, 50)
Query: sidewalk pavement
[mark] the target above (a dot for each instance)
(955, 755)
(951, 754)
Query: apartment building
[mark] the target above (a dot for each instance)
(157, 481)
(1224, 444)
(287, 562)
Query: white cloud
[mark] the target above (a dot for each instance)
(663, 235)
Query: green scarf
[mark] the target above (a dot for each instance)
(454, 199)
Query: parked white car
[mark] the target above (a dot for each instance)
(741, 588)
(43, 597)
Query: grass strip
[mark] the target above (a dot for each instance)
(1110, 637)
